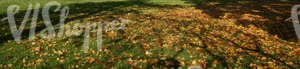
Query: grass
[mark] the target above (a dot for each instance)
(24, 3)
(161, 34)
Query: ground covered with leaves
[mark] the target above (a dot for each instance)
(163, 36)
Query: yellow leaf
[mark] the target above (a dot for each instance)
(9, 65)
(194, 62)
(259, 67)
(39, 60)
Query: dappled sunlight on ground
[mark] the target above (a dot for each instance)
(267, 15)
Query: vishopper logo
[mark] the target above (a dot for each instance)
(64, 29)
(294, 17)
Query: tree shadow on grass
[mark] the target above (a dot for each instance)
(223, 59)
(267, 15)
(77, 12)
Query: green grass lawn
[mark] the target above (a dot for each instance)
(24, 3)
(160, 34)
